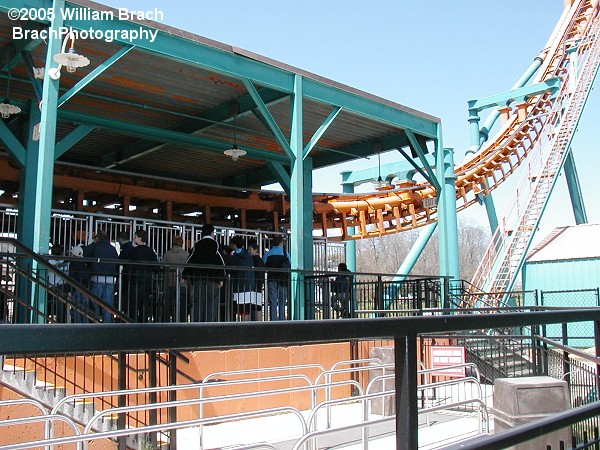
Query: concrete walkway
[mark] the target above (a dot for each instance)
(284, 430)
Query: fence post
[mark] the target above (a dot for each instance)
(228, 300)
(407, 423)
(152, 397)
(566, 365)
(122, 400)
(379, 295)
(172, 398)
(597, 346)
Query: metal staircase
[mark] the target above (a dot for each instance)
(505, 256)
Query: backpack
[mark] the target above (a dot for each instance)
(279, 262)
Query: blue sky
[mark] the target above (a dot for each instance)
(432, 56)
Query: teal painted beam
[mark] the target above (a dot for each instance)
(575, 193)
(268, 117)
(373, 108)
(516, 95)
(192, 49)
(164, 135)
(360, 150)
(348, 188)
(421, 154)
(417, 167)
(213, 117)
(13, 51)
(351, 244)
(449, 219)
(415, 252)
(71, 139)
(26, 201)
(37, 233)
(35, 83)
(240, 64)
(93, 75)
(490, 209)
(305, 235)
(484, 132)
(12, 144)
(331, 157)
(404, 170)
(281, 175)
(321, 131)
(480, 135)
(298, 193)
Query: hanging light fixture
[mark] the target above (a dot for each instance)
(6, 109)
(68, 59)
(380, 183)
(234, 151)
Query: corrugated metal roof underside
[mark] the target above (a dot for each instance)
(149, 91)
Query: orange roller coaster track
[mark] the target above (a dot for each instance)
(526, 127)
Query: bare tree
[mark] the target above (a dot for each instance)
(385, 254)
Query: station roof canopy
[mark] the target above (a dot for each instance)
(166, 107)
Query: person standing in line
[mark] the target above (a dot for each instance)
(277, 281)
(80, 272)
(126, 247)
(174, 282)
(206, 281)
(102, 272)
(56, 306)
(242, 278)
(142, 276)
(256, 306)
(342, 292)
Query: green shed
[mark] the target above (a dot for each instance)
(564, 268)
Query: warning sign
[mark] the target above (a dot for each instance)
(443, 357)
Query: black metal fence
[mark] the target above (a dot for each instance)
(403, 331)
(72, 289)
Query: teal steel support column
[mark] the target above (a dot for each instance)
(474, 129)
(491, 119)
(415, 251)
(447, 216)
(301, 237)
(490, 208)
(575, 189)
(350, 245)
(306, 240)
(40, 167)
(27, 183)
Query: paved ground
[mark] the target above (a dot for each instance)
(283, 431)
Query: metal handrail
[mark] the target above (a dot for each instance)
(47, 419)
(266, 369)
(365, 425)
(197, 401)
(457, 366)
(531, 430)
(150, 429)
(27, 401)
(355, 361)
(328, 373)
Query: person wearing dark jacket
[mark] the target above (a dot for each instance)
(242, 277)
(80, 272)
(142, 276)
(126, 247)
(176, 288)
(259, 282)
(206, 281)
(102, 271)
(277, 280)
(342, 291)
